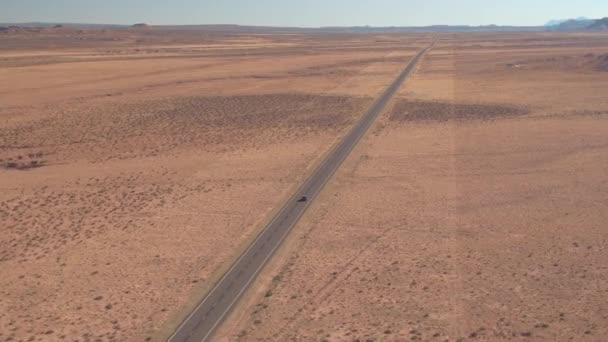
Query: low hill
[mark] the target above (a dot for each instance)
(574, 24)
(599, 25)
(582, 24)
(557, 22)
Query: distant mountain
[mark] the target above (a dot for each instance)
(552, 23)
(557, 22)
(574, 24)
(599, 25)
(582, 24)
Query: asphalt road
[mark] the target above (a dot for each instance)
(208, 315)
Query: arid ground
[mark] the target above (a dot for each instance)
(135, 165)
(476, 209)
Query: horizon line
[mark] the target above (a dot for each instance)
(263, 26)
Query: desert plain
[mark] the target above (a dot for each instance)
(137, 164)
(474, 210)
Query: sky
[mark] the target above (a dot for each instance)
(301, 13)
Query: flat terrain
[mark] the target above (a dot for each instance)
(135, 166)
(476, 209)
(201, 324)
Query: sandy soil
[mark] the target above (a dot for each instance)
(475, 210)
(133, 170)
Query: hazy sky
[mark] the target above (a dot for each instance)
(309, 13)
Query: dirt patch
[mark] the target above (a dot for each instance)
(406, 110)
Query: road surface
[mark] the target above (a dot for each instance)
(208, 315)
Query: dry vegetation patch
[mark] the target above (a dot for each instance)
(601, 62)
(588, 61)
(408, 110)
(23, 163)
(216, 123)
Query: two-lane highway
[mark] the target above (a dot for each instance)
(204, 320)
